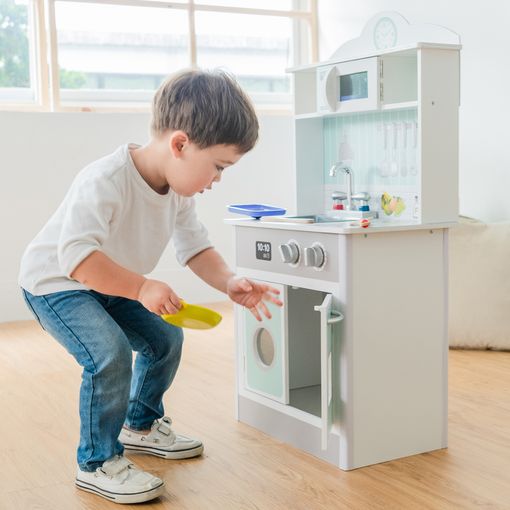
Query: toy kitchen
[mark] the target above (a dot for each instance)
(353, 367)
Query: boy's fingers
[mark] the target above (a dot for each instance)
(268, 288)
(255, 313)
(273, 299)
(175, 302)
(265, 310)
(167, 310)
(170, 307)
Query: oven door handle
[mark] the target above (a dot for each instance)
(336, 317)
(328, 317)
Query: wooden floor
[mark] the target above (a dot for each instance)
(242, 468)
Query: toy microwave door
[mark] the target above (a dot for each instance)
(265, 351)
(349, 86)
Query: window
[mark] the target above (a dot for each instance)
(115, 53)
(241, 43)
(17, 59)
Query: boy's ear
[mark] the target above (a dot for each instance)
(178, 141)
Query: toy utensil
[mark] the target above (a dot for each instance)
(193, 317)
(385, 165)
(403, 159)
(394, 164)
(413, 170)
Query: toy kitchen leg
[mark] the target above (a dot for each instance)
(366, 389)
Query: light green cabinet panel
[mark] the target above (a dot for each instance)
(265, 351)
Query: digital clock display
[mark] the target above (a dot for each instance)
(263, 250)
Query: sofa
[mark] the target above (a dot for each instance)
(479, 285)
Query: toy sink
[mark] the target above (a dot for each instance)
(311, 218)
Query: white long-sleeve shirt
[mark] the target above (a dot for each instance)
(110, 208)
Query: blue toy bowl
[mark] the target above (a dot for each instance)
(256, 210)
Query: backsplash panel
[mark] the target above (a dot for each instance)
(381, 149)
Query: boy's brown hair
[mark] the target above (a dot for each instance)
(209, 106)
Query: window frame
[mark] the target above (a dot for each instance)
(44, 69)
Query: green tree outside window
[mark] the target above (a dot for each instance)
(14, 60)
(14, 50)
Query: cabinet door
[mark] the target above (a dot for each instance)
(265, 351)
(328, 318)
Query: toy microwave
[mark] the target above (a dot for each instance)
(348, 86)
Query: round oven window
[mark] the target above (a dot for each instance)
(264, 346)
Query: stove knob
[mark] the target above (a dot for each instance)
(314, 256)
(289, 253)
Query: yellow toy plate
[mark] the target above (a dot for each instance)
(194, 317)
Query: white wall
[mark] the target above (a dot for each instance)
(41, 153)
(485, 78)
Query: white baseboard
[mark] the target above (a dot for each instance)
(12, 304)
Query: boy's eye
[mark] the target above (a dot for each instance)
(220, 168)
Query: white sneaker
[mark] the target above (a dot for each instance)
(120, 481)
(162, 441)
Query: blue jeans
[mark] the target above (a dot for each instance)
(101, 332)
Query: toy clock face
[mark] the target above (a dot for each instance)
(385, 34)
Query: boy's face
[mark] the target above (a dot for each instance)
(194, 170)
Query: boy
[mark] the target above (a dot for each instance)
(82, 275)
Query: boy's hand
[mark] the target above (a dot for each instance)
(252, 295)
(158, 297)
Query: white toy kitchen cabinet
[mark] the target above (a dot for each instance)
(353, 367)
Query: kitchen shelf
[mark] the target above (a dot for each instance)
(391, 106)
(400, 106)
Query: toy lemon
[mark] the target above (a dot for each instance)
(194, 317)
